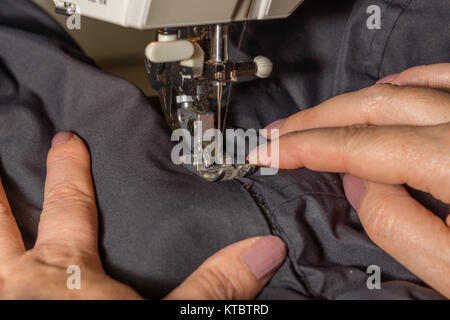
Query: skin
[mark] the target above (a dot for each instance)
(387, 135)
(68, 235)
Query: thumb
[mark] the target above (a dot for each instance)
(237, 272)
(402, 227)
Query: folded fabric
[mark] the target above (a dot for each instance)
(159, 222)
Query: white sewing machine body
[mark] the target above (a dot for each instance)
(152, 14)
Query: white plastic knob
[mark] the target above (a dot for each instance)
(196, 62)
(264, 67)
(169, 51)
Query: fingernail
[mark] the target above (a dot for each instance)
(276, 124)
(256, 155)
(267, 131)
(252, 157)
(388, 79)
(265, 256)
(354, 189)
(61, 137)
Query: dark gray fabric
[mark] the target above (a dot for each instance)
(326, 49)
(159, 222)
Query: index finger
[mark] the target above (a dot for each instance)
(381, 104)
(417, 156)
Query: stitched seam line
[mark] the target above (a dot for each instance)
(369, 51)
(388, 37)
(278, 230)
(322, 194)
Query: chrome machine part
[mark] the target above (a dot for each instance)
(191, 69)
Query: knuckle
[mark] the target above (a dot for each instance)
(351, 139)
(218, 285)
(376, 97)
(378, 222)
(67, 154)
(352, 135)
(66, 194)
(60, 256)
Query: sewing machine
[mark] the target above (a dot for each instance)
(189, 63)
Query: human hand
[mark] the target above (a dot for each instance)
(382, 137)
(68, 235)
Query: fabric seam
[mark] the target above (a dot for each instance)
(278, 230)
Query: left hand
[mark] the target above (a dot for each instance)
(68, 236)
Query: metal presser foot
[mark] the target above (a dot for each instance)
(191, 70)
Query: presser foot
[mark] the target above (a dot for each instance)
(221, 172)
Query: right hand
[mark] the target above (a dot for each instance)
(383, 137)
